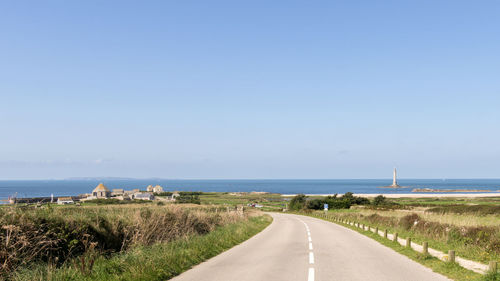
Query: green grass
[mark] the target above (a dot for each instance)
(478, 245)
(158, 262)
(451, 270)
(270, 201)
(443, 201)
(467, 209)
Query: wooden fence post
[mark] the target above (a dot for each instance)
(395, 237)
(385, 234)
(493, 266)
(408, 242)
(451, 256)
(425, 247)
(376, 229)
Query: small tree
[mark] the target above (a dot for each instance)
(379, 200)
(298, 202)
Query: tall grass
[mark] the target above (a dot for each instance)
(467, 209)
(55, 235)
(480, 243)
(160, 261)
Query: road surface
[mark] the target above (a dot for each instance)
(308, 249)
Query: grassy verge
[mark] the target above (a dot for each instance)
(451, 270)
(158, 262)
(59, 235)
(473, 237)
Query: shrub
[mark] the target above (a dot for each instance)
(54, 235)
(332, 201)
(379, 200)
(354, 200)
(166, 193)
(298, 202)
(187, 198)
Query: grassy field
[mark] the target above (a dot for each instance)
(156, 262)
(269, 201)
(96, 242)
(37, 242)
(472, 235)
(430, 202)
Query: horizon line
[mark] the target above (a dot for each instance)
(228, 179)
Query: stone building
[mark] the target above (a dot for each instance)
(157, 189)
(101, 191)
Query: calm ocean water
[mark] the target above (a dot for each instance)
(35, 188)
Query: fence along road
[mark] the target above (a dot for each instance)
(282, 252)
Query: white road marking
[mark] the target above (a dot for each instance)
(310, 277)
(311, 257)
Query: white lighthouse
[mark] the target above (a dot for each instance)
(394, 179)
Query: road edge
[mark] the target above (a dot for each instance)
(450, 270)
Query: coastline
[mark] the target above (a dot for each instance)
(414, 195)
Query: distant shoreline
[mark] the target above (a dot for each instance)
(415, 195)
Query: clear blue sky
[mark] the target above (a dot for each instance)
(249, 89)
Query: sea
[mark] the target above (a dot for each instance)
(73, 187)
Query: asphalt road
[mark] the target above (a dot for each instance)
(307, 249)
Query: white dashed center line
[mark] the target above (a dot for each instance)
(310, 276)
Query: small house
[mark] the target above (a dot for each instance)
(157, 189)
(175, 195)
(101, 191)
(65, 200)
(144, 196)
(149, 188)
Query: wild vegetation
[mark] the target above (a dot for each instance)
(160, 261)
(76, 236)
(472, 235)
(471, 227)
(188, 198)
(467, 209)
(301, 201)
(112, 201)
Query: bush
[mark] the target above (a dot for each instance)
(354, 200)
(187, 198)
(379, 200)
(166, 193)
(298, 202)
(190, 193)
(332, 201)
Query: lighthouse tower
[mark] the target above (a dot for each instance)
(394, 180)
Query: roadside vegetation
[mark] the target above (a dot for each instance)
(472, 230)
(102, 238)
(451, 270)
(84, 242)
